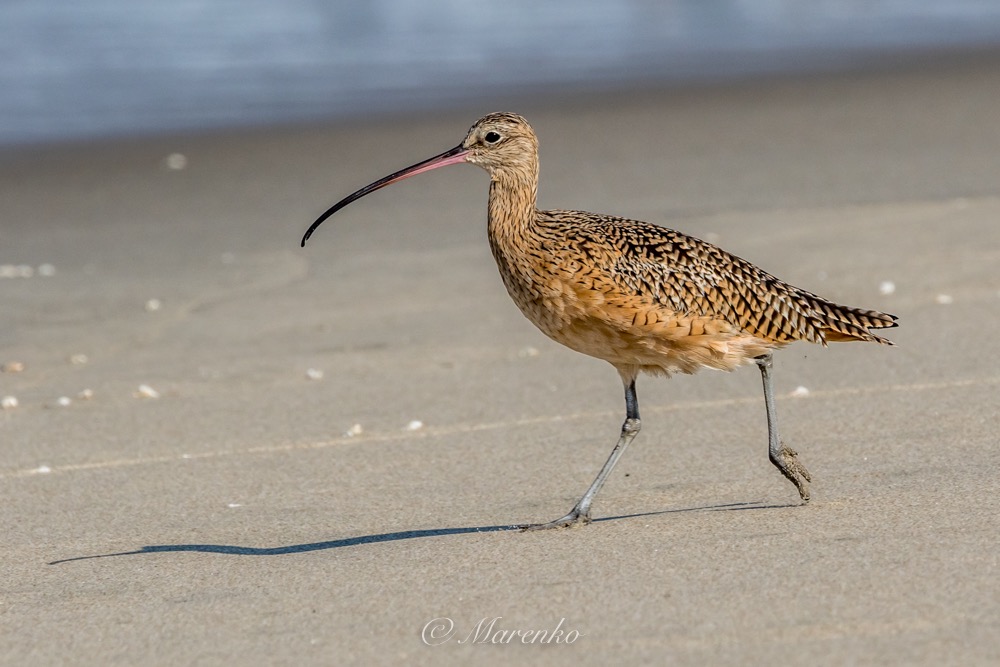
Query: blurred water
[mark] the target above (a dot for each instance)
(111, 67)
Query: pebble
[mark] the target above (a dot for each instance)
(886, 287)
(353, 431)
(8, 402)
(800, 391)
(85, 395)
(314, 374)
(64, 401)
(153, 305)
(944, 299)
(78, 359)
(415, 425)
(13, 367)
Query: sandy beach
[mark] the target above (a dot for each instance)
(229, 449)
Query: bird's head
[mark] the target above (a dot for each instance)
(502, 143)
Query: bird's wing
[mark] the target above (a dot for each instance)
(692, 277)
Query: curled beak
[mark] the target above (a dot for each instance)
(453, 156)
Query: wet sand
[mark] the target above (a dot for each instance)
(231, 518)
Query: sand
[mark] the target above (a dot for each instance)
(268, 498)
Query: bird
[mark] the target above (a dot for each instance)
(644, 298)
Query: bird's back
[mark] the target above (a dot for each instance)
(641, 295)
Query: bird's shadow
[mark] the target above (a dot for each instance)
(233, 550)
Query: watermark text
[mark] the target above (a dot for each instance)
(492, 630)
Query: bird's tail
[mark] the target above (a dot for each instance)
(843, 323)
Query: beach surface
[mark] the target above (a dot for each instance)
(227, 449)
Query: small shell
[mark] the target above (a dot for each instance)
(8, 402)
(314, 374)
(176, 161)
(16, 271)
(64, 401)
(886, 287)
(145, 391)
(415, 425)
(152, 305)
(799, 392)
(13, 367)
(944, 299)
(78, 359)
(353, 431)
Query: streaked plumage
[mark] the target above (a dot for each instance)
(633, 293)
(642, 297)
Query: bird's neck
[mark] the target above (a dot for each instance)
(512, 204)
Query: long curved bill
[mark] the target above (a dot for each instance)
(453, 156)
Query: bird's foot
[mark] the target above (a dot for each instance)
(790, 466)
(574, 518)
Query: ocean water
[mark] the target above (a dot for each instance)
(76, 70)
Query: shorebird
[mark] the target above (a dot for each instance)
(639, 296)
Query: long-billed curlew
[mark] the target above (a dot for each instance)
(639, 296)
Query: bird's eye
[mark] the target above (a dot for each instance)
(492, 137)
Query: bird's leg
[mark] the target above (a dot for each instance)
(580, 514)
(784, 458)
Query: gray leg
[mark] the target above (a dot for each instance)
(784, 458)
(580, 514)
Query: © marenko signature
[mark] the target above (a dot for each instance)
(490, 630)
